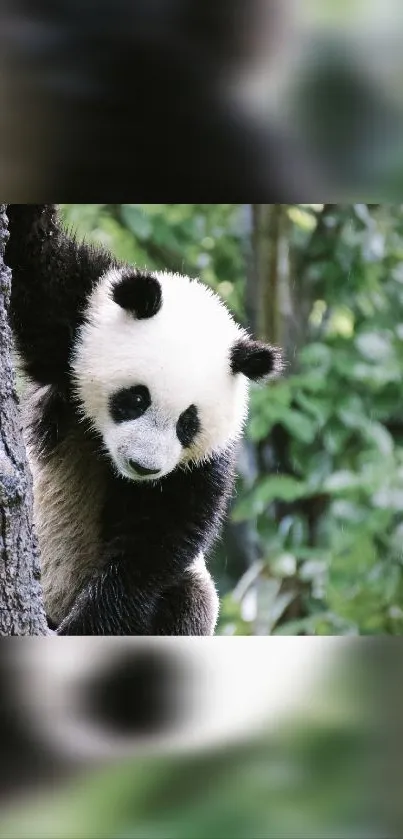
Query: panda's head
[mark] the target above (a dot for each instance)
(162, 370)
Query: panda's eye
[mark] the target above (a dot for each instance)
(129, 403)
(188, 425)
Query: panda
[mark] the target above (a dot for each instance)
(136, 399)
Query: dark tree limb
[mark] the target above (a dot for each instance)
(21, 605)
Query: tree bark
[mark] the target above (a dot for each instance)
(21, 603)
(280, 319)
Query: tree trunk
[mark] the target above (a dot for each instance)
(281, 321)
(21, 604)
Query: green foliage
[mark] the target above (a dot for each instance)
(198, 239)
(327, 512)
(341, 520)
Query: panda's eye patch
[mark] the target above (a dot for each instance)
(129, 403)
(188, 425)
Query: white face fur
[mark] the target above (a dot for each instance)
(181, 354)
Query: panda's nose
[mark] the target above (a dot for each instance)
(142, 470)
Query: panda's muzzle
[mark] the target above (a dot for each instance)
(142, 470)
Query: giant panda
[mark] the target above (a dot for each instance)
(137, 396)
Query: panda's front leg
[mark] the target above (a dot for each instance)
(190, 607)
(120, 602)
(114, 602)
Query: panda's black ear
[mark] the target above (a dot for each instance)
(138, 293)
(255, 359)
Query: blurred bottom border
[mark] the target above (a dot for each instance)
(181, 737)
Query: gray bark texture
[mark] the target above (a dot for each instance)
(21, 604)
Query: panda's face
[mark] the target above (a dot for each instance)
(162, 371)
(145, 441)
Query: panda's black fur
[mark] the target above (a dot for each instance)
(139, 579)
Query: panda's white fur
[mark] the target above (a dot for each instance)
(182, 355)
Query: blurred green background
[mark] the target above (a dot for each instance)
(314, 542)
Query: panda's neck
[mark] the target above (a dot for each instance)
(161, 527)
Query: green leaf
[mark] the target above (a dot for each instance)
(363, 214)
(259, 427)
(276, 488)
(341, 481)
(301, 426)
(377, 434)
(390, 498)
(373, 346)
(284, 565)
(320, 409)
(137, 220)
(316, 355)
